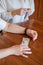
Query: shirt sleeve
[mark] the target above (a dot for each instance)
(3, 6)
(29, 4)
(25, 4)
(32, 7)
(2, 24)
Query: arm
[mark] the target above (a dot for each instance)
(15, 50)
(13, 28)
(5, 52)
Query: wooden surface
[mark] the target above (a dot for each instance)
(40, 9)
(38, 14)
(36, 58)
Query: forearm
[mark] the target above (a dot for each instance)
(5, 52)
(13, 28)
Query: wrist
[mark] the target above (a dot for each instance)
(9, 51)
(5, 52)
(27, 31)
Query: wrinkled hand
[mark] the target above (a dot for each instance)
(21, 50)
(32, 34)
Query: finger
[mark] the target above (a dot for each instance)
(35, 37)
(27, 49)
(27, 52)
(25, 56)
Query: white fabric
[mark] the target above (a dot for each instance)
(25, 4)
(13, 4)
(16, 4)
(6, 5)
(2, 24)
(6, 16)
(3, 6)
(32, 6)
(19, 19)
(1, 10)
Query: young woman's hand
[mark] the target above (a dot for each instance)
(32, 33)
(21, 50)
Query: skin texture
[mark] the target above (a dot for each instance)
(13, 28)
(18, 50)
